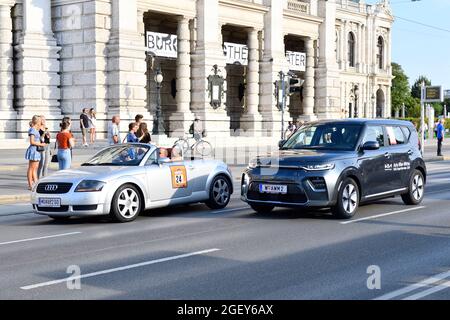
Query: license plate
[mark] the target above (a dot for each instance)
(49, 202)
(272, 188)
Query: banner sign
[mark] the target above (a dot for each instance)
(297, 60)
(235, 53)
(162, 44)
(433, 94)
(446, 94)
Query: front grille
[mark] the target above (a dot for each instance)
(53, 188)
(60, 209)
(318, 183)
(294, 195)
(85, 208)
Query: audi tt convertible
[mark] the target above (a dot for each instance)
(123, 180)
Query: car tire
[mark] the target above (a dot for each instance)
(416, 189)
(262, 209)
(219, 193)
(347, 200)
(126, 204)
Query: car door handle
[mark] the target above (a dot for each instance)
(387, 155)
(410, 152)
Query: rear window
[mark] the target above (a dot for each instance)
(406, 132)
(395, 135)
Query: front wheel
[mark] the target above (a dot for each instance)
(126, 204)
(203, 148)
(416, 189)
(220, 193)
(347, 201)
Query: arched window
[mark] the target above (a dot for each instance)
(351, 49)
(380, 53)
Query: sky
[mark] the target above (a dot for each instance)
(418, 49)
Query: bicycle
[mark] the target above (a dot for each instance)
(202, 147)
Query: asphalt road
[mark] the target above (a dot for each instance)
(195, 253)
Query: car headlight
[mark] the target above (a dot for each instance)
(319, 167)
(90, 186)
(253, 163)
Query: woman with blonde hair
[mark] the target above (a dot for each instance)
(45, 154)
(33, 153)
(92, 124)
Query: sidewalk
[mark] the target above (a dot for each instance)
(13, 166)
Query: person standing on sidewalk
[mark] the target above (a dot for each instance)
(131, 136)
(65, 142)
(440, 133)
(92, 124)
(33, 154)
(84, 126)
(143, 134)
(114, 131)
(45, 155)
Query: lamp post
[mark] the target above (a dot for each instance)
(374, 111)
(158, 125)
(356, 94)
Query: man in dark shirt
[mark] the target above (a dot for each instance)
(84, 125)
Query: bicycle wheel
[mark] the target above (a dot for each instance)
(182, 144)
(203, 148)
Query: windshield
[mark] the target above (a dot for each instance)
(121, 155)
(328, 136)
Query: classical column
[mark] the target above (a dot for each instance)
(127, 64)
(273, 61)
(208, 52)
(37, 67)
(308, 86)
(327, 90)
(251, 120)
(180, 121)
(7, 112)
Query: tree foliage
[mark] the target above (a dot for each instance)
(416, 88)
(400, 91)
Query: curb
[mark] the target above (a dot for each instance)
(10, 199)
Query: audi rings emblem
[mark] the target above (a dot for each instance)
(51, 187)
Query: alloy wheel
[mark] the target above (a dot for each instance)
(128, 203)
(221, 192)
(349, 198)
(417, 187)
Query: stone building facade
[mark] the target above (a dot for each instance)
(59, 56)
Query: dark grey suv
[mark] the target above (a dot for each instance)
(338, 164)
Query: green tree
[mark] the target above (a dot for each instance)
(413, 107)
(400, 91)
(416, 88)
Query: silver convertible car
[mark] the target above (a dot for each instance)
(126, 179)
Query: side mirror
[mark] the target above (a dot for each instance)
(371, 145)
(281, 143)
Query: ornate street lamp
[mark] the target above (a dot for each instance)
(373, 99)
(356, 95)
(158, 124)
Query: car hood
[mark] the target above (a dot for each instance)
(92, 173)
(301, 157)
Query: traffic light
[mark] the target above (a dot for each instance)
(295, 85)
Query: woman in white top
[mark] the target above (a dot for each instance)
(92, 124)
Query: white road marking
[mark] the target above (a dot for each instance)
(383, 215)
(40, 238)
(107, 271)
(430, 291)
(415, 286)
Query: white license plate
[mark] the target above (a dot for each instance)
(49, 202)
(272, 188)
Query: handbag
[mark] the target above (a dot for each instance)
(55, 155)
(40, 148)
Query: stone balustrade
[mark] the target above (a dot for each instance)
(298, 5)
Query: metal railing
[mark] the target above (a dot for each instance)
(301, 6)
